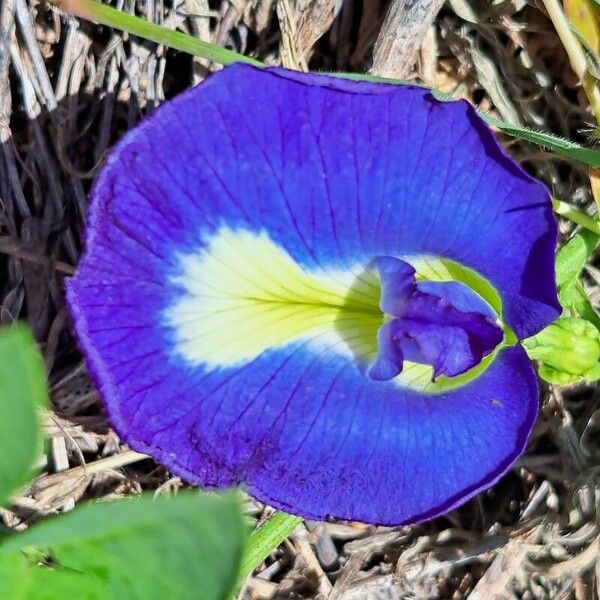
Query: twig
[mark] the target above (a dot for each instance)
(17, 252)
(290, 56)
(300, 539)
(104, 464)
(401, 36)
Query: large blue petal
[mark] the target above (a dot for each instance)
(336, 173)
(341, 174)
(310, 433)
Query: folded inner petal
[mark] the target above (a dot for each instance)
(451, 328)
(388, 362)
(397, 280)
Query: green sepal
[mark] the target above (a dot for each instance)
(568, 350)
(557, 377)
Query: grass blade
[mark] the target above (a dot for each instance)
(106, 15)
(567, 148)
(265, 539)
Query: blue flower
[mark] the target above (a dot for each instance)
(315, 287)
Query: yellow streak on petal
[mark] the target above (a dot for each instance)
(243, 294)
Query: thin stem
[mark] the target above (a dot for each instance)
(568, 211)
(576, 54)
(106, 15)
(265, 539)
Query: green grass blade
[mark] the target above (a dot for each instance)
(556, 144)
(265, 539)
(106, 15)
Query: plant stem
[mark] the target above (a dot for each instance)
(265, 539)
(106, 15)
(576, 54)
(568, 211)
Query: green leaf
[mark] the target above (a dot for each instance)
(571, 259)
(106, 15)
(13, 577)
(583, 307)
(22, 392)
(184, 547)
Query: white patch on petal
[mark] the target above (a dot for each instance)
(243, 294)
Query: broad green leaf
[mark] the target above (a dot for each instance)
(13, 577)
(189, 546)
(22, 392)
(106, 15)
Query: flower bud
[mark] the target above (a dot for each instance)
(569, 351)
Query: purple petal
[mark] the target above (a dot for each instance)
(450, 340)
(389, 359)
(397, 280)
(335, 174)
(433, 329)
(310, 434)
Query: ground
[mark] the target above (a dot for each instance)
(69, 89)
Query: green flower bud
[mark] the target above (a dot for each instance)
(569, 351)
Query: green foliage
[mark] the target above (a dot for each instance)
(563, 147)
(571, 258)
(569, 350)
(570, 262)
(189, 546)
(186, 547)
(22, 392)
